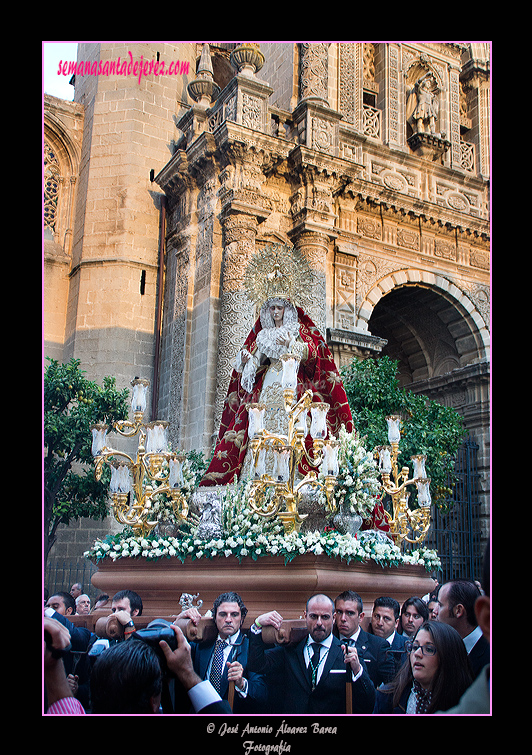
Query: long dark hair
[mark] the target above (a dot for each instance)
(453, 675)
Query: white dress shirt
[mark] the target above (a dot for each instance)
(324, 651)
(472, 638)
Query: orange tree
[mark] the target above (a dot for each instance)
(427, 427)
(71, 405)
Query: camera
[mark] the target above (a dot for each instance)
(157, 630)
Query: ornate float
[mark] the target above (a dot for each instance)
(291, 502)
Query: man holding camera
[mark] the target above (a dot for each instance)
(146, 662)
(128, 677)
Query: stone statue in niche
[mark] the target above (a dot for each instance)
(425, 99)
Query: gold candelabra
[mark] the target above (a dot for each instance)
(154, 471)
(270, 492)
(406, 525)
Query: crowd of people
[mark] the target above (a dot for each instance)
(430, 655)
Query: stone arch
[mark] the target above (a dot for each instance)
(58, 137)
(468, 329)
(66, 153)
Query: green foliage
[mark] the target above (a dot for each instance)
(71, 405)
(427, 427)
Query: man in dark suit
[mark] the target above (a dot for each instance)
(457, 607)
(225, 658)
(384, 623)
(372, 649)
(312, 674)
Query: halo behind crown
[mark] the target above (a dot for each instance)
(279, 271)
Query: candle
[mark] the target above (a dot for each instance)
(256, 419)
(394, 424)
(318, 427)
(290, 368)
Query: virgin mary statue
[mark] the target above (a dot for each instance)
(282, 327)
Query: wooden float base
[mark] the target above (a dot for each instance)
(264, 585)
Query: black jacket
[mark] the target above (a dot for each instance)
(285, 666)
(257, 690)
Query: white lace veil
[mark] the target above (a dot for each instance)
(290, 314)
(267, 339)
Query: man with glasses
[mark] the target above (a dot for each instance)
(313, 673)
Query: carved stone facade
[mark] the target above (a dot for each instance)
(372, 159)
(365, 174)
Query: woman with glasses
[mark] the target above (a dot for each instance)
(434, 676)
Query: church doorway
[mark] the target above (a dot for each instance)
(441, 353)
(428, 334)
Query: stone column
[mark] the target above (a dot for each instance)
(317, 124)
(314, 72)
(237, 314)
(314, 246)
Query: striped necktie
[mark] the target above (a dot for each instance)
(314, 662)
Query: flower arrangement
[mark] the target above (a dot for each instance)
(346, 547)
(245, 533)
(192, 470)
(358, 486)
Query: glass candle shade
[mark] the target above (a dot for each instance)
(256, 419)
(157, 437)
(175, 475)
(301, 425)
(120, 479)
(99, 439)
(394, 428)
(385, 461)
(138, 395)
(318, 426)
(260, 467)
(330, 458)
(419, 466)
(423, 492)
(290, 369)
(281, 467)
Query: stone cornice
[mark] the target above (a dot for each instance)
(391, 202)
(458, 378)
(234, 143)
